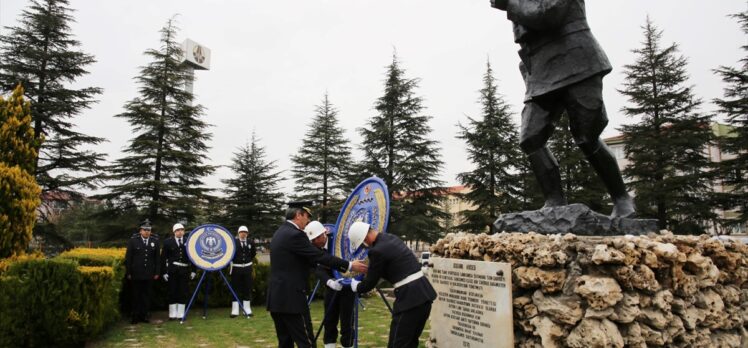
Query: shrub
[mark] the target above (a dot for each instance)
(19, 192)
(6, 262)
(55, 302)
(112, 257)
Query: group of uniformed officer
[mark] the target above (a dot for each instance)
(297, 247)
(146, 261)
(291, 258)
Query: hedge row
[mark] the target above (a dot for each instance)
(73, 297)
(55, 302)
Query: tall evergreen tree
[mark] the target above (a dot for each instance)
(531, 197)
(580, 183)
(735, 107)
(42, 55)
(495, 182)
(669, 170)
(398, 148)
(321, 165)
(163, 169)
(253, 197)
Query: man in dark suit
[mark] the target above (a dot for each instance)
(339, 300)
(291, 258)
(142, 268)
(563, 67)
(177, 270)
(391, 259)
(241, 271)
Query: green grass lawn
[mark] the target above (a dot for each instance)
(218, 330)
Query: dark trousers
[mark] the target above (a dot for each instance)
(406, 327)
(583, 101)
(341, 309)
(294, 328)
(177, 284)
(141, 298)
(241, 281)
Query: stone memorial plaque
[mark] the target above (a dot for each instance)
(474, 306)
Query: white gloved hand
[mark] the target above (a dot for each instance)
(192, 275)
(166, 277)
(332, 284)
(354, 284)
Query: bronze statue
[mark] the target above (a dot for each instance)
(563, 68)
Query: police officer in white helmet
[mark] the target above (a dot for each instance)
(241, 272)
(177, 269)
(391, 259)
(339, 301)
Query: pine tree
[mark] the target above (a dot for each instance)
(580, 183)
(735, 107)
(19, 196)
(43, 56)
(669, 170)
(398, 148)
(163, 168)
(531, 197)
(253, 198)
(322, 163)
(495, 182)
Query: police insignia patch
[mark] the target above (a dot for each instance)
(210, 247)
(369, 202)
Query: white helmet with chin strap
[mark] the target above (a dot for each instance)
(357, 234)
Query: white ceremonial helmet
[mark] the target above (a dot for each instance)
(177, 227)
(357, 234)
(243, 229)
(314, 229)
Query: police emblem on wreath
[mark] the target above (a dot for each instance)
(210, 247)
(369, 202)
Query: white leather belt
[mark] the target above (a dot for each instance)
(182, 264)
(409, 279)
(240, 265)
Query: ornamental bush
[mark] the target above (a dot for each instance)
(19, 192)
(57, 302)
(67, 300)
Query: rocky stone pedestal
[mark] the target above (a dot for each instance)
(573, 218)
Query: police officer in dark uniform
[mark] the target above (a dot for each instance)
(177, 269)
(339, 300)
(142, 268)
(291, 258)
(391, 259)
(241, 271)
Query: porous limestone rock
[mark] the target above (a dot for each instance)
(548, 331)
(659, 289)
(600, 292)
(594, 333)
(560, 308)
(533, 277)
(627, 309)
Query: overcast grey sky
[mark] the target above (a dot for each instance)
(273, 60)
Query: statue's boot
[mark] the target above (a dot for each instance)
(606, 166)
(545, 168)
